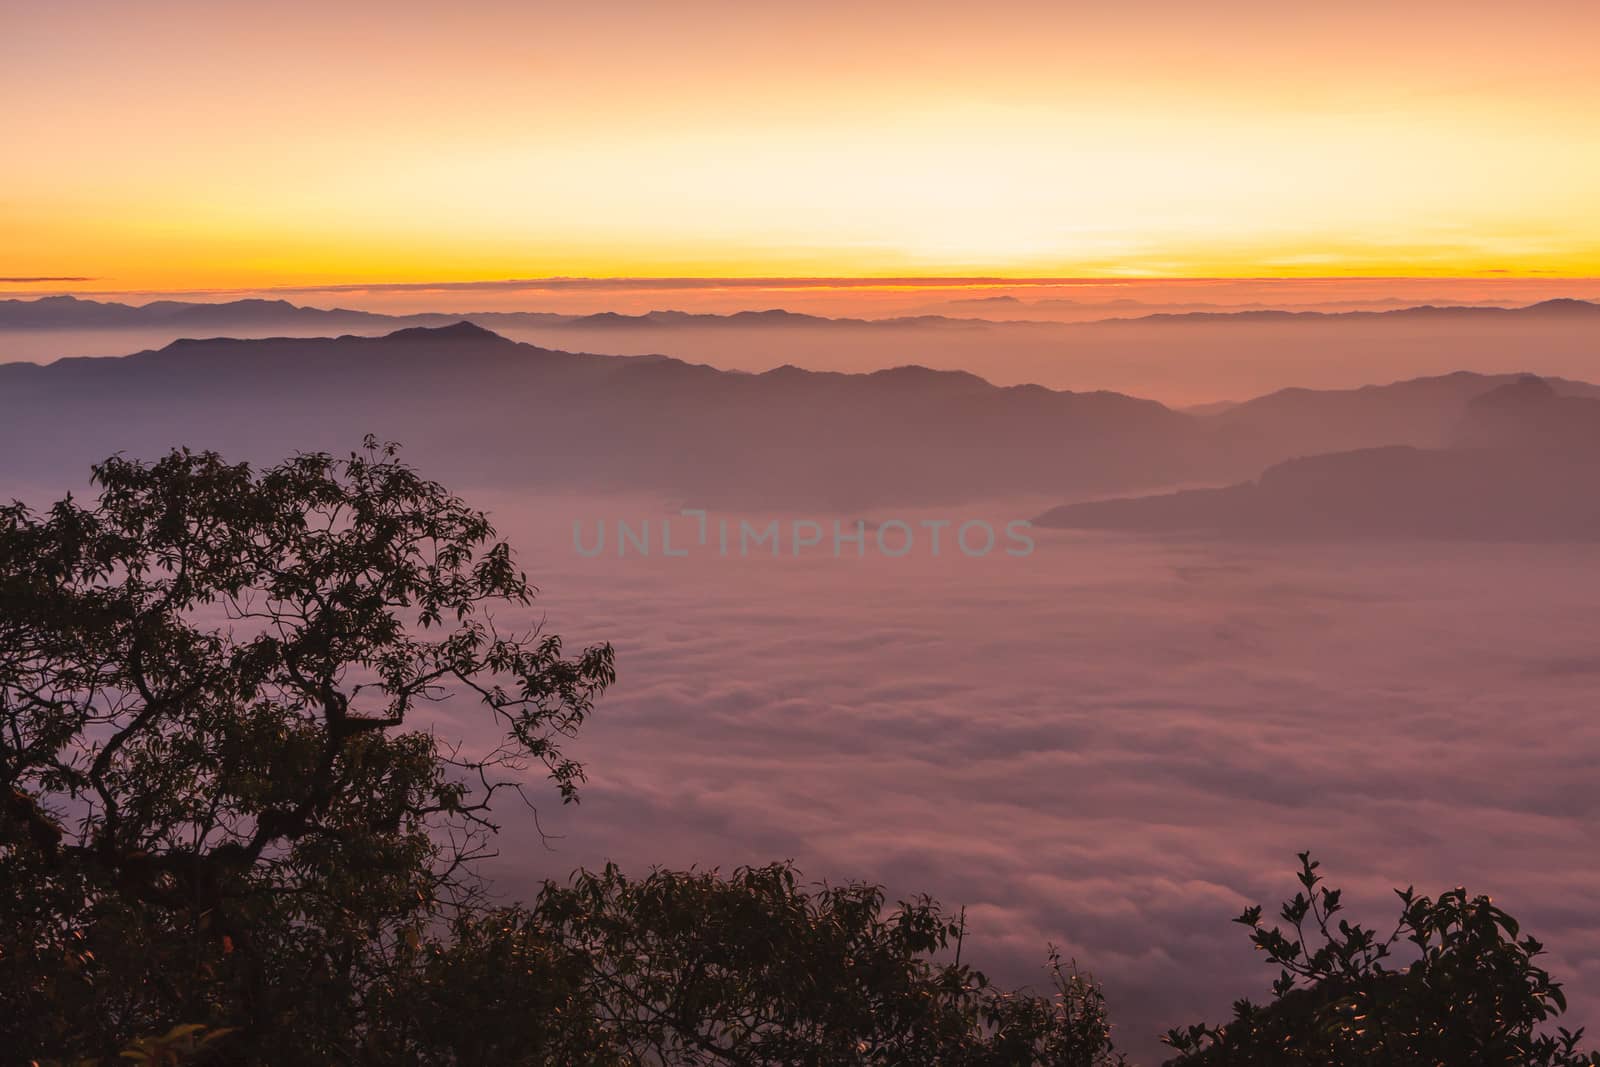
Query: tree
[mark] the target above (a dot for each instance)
(224, 838)
(749, 968)
(1471, 993)
(216, 807)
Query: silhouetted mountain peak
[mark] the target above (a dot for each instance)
(1564, 305)
(1530, 413)
(455, 333)
(914, 373)
(1527, 391)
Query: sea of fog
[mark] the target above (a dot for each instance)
(1108, 744)
(1111, 744)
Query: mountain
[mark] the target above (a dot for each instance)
(1179, 361)
(771, 317)
(479, 408)
(1519, 464)
(472, 406)
(1563, 308)
(1420, 411)
(1532, 414)
(70, 312)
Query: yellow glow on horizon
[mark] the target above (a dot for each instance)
(176, 145)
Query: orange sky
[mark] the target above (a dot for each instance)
(187, 145)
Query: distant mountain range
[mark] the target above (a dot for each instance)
(477, 408)
(1186, 359)
(1420, 411)
(76, 313)
(69, 312)
(1564, 308)
(1521, 463)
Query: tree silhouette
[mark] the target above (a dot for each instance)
(216, 807)
(1471, 992)
(224, 838)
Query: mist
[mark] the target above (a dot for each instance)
(1113, 744)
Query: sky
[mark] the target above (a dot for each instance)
(176, 145)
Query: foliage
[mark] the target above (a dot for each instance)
(180, 1045)
(1472, 993)
(223, 840)
(215, 811)
(749, 968)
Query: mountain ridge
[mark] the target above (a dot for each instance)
(469, 402)
(72, 312)
(1517, 466)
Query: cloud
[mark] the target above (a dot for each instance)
(1111, 746)
(625, 284)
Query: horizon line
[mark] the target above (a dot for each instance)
(556, 283)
